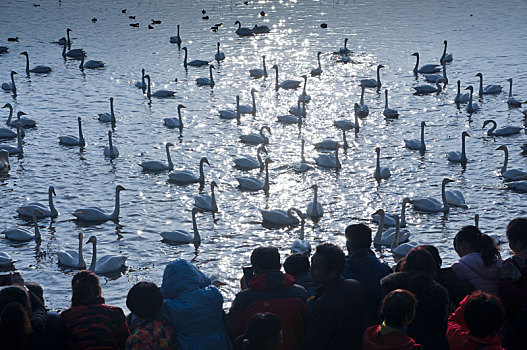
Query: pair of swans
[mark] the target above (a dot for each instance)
(24, 235)
(511, 101)
(461, 98)
(387, 237)
(158, 93)
(193, 63)
(445, 57)
(245, 109)
(471, 107)
(63, 40)
(25, 122)
(416, 144)
(207, 202)
(243, 31)
(330, 145)
(380, 173)
(249, 163)
(175, 122)
(155, 165)
(389, 220)
(257, 72)
(389, 112)
(71, 140)
(286, 84)
(281, 217)
(207, 81)
(10, 86)
(4, 161)
(314, 209)
(456, 156)
(510, 174)
(253, 184)
(398, 249)
(489, 89)
(329, 160)
(141, 84)
(111, 151)
(344, 50)
(503, 131)
(429, 89)
(219, 56)
(432, 78)
(19, 148)
(91, 64)
(317, 71)
(43, 211)
(74, 53)
(182, 236)
(302, 166)
(373, 83)
(176, 39)
(37, 69)
(346, 124)
(427, 68)
(256, 139)
(187, 177)
(363, 109)
(108, 117)
(97, 214)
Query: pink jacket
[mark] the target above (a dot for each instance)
(482, 277)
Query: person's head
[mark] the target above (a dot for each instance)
(358, 236)
(419, 259)
(327, 263)
(484, 314)
(264, 332)
(15, 314)
(144, 300)
(265, 259)
(84, 285)
(470, 240)
(296, 264)
(517, 234)
(435, 254)
(398, 308)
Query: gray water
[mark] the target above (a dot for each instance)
(484, 36)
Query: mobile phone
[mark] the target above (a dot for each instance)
(248, 273)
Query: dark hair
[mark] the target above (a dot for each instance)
(15, 313)
(144, 299)
(333, 257)
(398, 308)
(84, 285)
(481, 243)
(435, 254)
(296, 264)
(358, 236)
(484, 314)
(265, 258)
(419, 259)
(262, 329)
(517, 231)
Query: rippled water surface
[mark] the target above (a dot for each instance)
(484, 36)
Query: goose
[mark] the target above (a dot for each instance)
(400, 249)
(373, 83)
(317, 71)
(98, 214)
(304, 97)
(254, 184)
(24, 235)
(176, 39)
(426, 69)
(255, 139)
(186, 177)
(389, 219)
(175, 122)
(71, 257)
(510, 174)
(348, 124)
(344, 50)
(182, 236)
(244, 109)
(37, 69)
(446, 57)
(243, 31)
(280, 217)
(249, 163)
(111, 150)
(158, 93)
(363, 108)
(105, 264)
(207, 202)
(91, 64)
(257, 72)
(70, 140)
(389, 112)
(489, 89)
(455, 198)
(206, 81)
(229, 113)
(430, 204)
(219, 56)
(63, 40)
(6, 260)
(332, 144)
(302, 166)
(297, 110)
(471, 107)
(461, 98)
(432, 78)
(141, 84)
(4, 160)
(428, 89)
(456, 156)
(75, 53)
(19, 148)
(155, 165)
(511, 101)
(386, 237)
(329, 160)
(416, 144)
(520, 186)
(108, 117)
(10, 86)
(380, 173)
(300, 245)
(263, 29)
(503, 131)
(43, 211)
(314, 208)
(193, 63)
(286, 84)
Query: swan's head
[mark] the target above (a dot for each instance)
(79, 119)
(111, 99)
(147, 77)
(13, 73)
(380, 66)
(314, 187)
(465, 134)
(211, 67)
(237, 98)
(265, 127)
(298, 212)
(237, 22)
(458, 83)
(274, 67)
(196, 210)
(423, 124)
(445, 181)
(415, 54)
(406, 200)
(378, 150)
(253, 90)
(218, 44)
(19, 114)
(487, 122)
(142, 71)
(268, 160)
(7, 105)
(184, 48)
(119, 188)
(470, 87)
(24, 53)
(445, 42)
(479, 75)
(179, 106)
(509, 80)
(52, 190)
(213, 184)
(304, 76)
(319, 53)
(68, 30)
(80, 236)
(379, 212)
(168, 144)
(356, 107)
(63, 39)
(92, 239)
(262, 149)
(502, 148)
(204, 160)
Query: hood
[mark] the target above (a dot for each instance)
(181, 276)
(474, 263)
(272, 280)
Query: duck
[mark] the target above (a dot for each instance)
(510, 174)
(389, 219)
(244, 109)
(71, 257)
(456, 156)
(257, 72)
(511, 101)
(70, 140)
(98, 214)
(175, 122)
(456, 199)
(91, 64)
(385, 238)
(6, 260)
(461, 98)
(186, 177)
(43, 211)
(301, 245)
(254, 184)
(207, 202)
(10, 86)
(249, 163)
(263, 29)
(389, 112)
(24, 235)
(19, 148)
(426, 69)
(446, 57)
(281, 217)
(176, 39)
(344, 50)
(219, 56)
(489, 89)
(4, 161)
(105, 264)
(317, 71)
(430, 204)
(193, 63)
(331, 144)
(503, 131)
(229, 113)
(432, 78)
(243, 31)
(380, 173)
(304, 97)
(286, 84)
(314, 208)
(416, 144)
(108, 117)
(428, 89)
(75, 53)
(158, 93)
(329, 160)
(363, 108)
(63, 40)
(398, 249)
(141, 84)
(182, 236)
(37, 69)
(471, 107)
(155, 165)
(255, 139)
(302, 166)
(206, 81)
(348, 124)
(111, 150)
(373, 83)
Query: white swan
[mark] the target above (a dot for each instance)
(98, 214)
(456, 156)
(348, 124)
(25, 122)
(105, 264)
(176, 39)
(182, 236)
(430, 204)
(461, 98)
(332, 144)
(510, 174)
(6, 260)
(344, 50)
(304, 97)
(155, 165)
(75, 53)
(10, 86)
(446, 57)
(432, 78)
(70, 140)
(329, 160)
(258, 73)
(389, 112)
(511, 101)
(263, 29)
(255, 139)
(141, 84)
(37, 69)
(520, 186)
(175, 122)
(286, 84)
(243, 31)
(301, 245)
(111, 150)
(207, 81)
(193, 63)
(21, 234)
(108, 117)
(219, 56)
(7, 134)
(254, 184)
(317, 71)
(4, 160)
(503, 131)
(297, 110)
(207, 202)
(249, 163)
(71, 257)
(363, 108)
(456, 198)
(290, 119)
(428, 89)
(281, 217)
(416, 144)
(373, 83)
(302, 166)
(91, 64)
(489, 89)
(380, 173)
(19, 148)
(244, 109)
(27, 209)
(388, 219)
(400, 249)
(158, 93)
(471, 107)
(385, 238)
(314, 208)
(229, 113)
(187, 177)
(427, 68)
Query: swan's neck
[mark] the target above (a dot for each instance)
(458, 90)
(149, 91)
(210, 69)
(253, 112)
(112, 155)
(344, 140)
(395, 241)
(304, 89)
(238, 114)
(378, 77)
(439, 88)
(264, 68)
(35, 224)
(386, 99)
(179, 117)
(185, 59)
(318, 59)
(111, 112)
(259, 157)
(266, 183)
(337, 162)
(463, 154)
(201, 174)
(68, 36)
(494, 126)
(27, 64)
(143, 81)
(416, 68)
(218, 52)
(506, 161)
(446, 206)
(51, 205)
(81, 65)
(362, 96)
(378, 235)
(481, 85)
(178, 30)
(115, 213)
(94, 256)
(378, 166)
(19, 137)
(197, 237)
(444, 74)
(81, 262)
(510, 90)
(276, 81)
(303, 159)
(14, 86)
(169, 159)
(444, 54)
(64, 51)
(422, 143)
(470, 100)
(81, 136)
(302, 224)
(315, 199)
(214, 206)
(403, 213)
(10, 114)
(239, 25)
(356, 122)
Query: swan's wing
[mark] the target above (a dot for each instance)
(250, 183)
(203, 201)
(454, 156)
(183, 176)
(178, 236)
(518, 185)
(93, 213)
(515, 174)
(246, 162)
(68, 257)
(427, 204)
(275, 216)
(153, 165)
(109, 263)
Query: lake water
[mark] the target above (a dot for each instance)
(484, 36)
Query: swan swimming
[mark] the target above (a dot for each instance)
(471, 107)
(456, 156)
(243, 31)
(314, 208)
(71, 257)
(219, 56)
(389, 112)
(108, 117)
(63, 40)
(380, 172)
(455, 198)
(446, 57)
(430, 204)
(254, 184)
(428, 89)
(105, 264)
(302, 166)
(386, 237)
(301, 245)
(186, 177)
(304, 97)
(24, 235)
(317, 71)
(4, 161)
(332, 144)
(329, 160)
(263, 29)
(297, 110)
(503, 131)
(70, 140)
(98, 214)
(373, 83)
(286, 84)
(348, 124)
(75, 53)
(23, 121)
(426, 69)
(520, 186)
(511, 101)
(176, 39)
(258, 73)
(416, 144)
(344, 50)
(155, 165)
(158, 93)
(10, 86)
(207, 202)
(510, 174)
(193, 63)
(363, 108)
(489, 89)
(281, 217)
(141, 84)
(19, 148)
(432, 78)
(249, 163)
(459, 97)
(400, 249)
(249, 109)
(91, 64)
(389, 219)
(43, 211)
(6, 260)
(175, 122)
(229, 113)
(255, 139)
(111, 150)
(37, 69)
(206, 81)
(182, 236)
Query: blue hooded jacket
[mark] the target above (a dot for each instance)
(193, 307)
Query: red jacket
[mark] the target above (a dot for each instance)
(396, 340)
